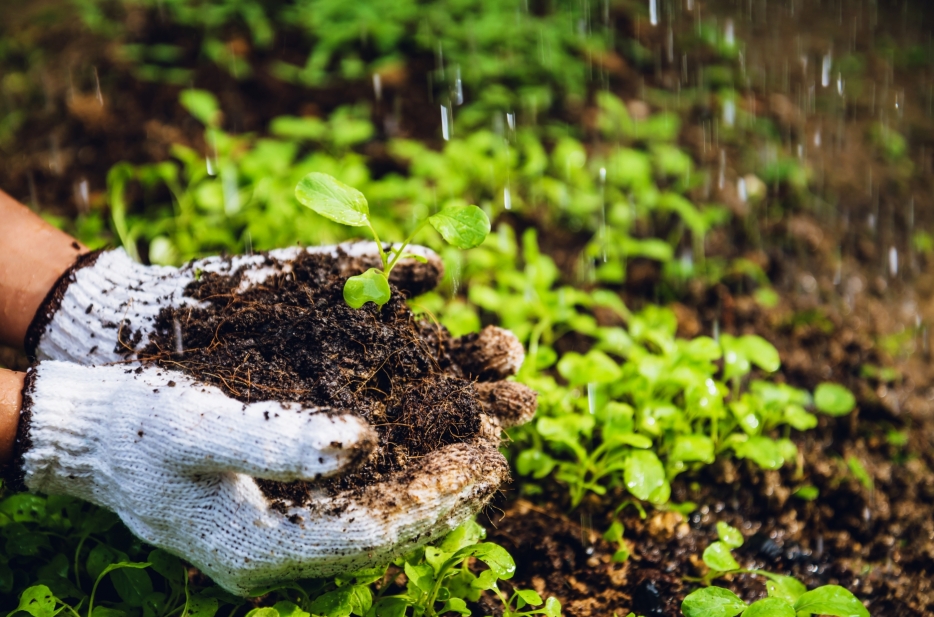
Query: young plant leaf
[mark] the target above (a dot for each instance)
(530, 596)
(712, 602)
(760, 352)
(787, 588)
(371, 286)
(833, 399)
(763, 451)
(38, 601)
(202, 105)
(644, 474)
(552, 607)
(200, 606)
(462, 226)
(717, 556)
(729, 535)
(333, 199)
(830, 600)
(690, 448)
(769, 607)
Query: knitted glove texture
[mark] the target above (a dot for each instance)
(175, 459)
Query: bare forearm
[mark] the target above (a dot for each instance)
(11, 399)
(34, 256)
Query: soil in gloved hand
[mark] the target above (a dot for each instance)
(293, 338)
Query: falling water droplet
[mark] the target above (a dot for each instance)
(653, 12)
(893, 261)
(741, 189)
(511, 120)
(592, 398)
(458, 88)
(729, 112)
(446, 122)
(177, 327)
(729, 36)
(377, 86)
(507, 199)
(825, 70)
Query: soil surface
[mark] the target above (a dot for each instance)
(294, 338)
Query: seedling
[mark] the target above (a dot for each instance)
(787, 596)
(462, 226)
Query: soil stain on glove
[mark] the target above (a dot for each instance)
(293, 338)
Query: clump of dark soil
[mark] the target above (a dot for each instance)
(293, 338)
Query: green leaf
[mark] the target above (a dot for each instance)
(644, 474)
(760, 352)
(808, 492)
(333, 199)
(712, 602)
(833, 399)
(729, 535)
(371, 286)
(690, 448)
(263, 612)
(104, 611)
(202, 105)
(131, 581)
(495, 556)
(787, 588)
(593, 367)
(615, 532)
(552, 607)
(199, 606)
(169, 566)
(462, 226)
(390, 607)
(486, 580)
(717, 556)
(38, 601)
(99, 558)
(289, 609)
(770, 607)
(466, 535)
(529, 596)
(338, 603)
(763, 451)
(455, 605)
(797, 417)
(830, 600)
(859, 472)
(534, 462)
(23, 507)
(422, 576)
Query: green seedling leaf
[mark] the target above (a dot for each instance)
(169, 566)
(467, 534)
(717, 556)
(23, 507)
(763, 451)
(644, 475)
(770, 607)
(333, 199)
(390, 607)
(787, 588)
(833, 399)
(691, 448)
(486, 580)
(202, 105)
(462, 226)
(615, 532)
(99, 558)
(535, 463)
(552, 607)
(830, 600)
(132, 583)
(455, 605)
(712, 602)
(422, 576)
(199, 606)
(38, 601)
(807, 492)
(760, 352)
(267, 611)
(797, 417)
(729, 535)
(859, 472)
(592, 367)
(493, 555)
(529, 596)
(371, 286)
(289, 609)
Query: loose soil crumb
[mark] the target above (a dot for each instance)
(293, 338)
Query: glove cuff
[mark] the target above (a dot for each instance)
(100, 310)
(59, 432)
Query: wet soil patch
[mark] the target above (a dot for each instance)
(293, 338)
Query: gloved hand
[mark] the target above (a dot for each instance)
(176, 462)
(103, 309)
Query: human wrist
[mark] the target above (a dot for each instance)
(11, 402)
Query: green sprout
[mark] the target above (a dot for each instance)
(787, 596)
(462, 226)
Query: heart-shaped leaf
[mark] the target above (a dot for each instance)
(333, 199)
(833, 399)
(712, 602)
(462, 226)
(717, 556)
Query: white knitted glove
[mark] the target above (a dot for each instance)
(174, 459)
(103, 308)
